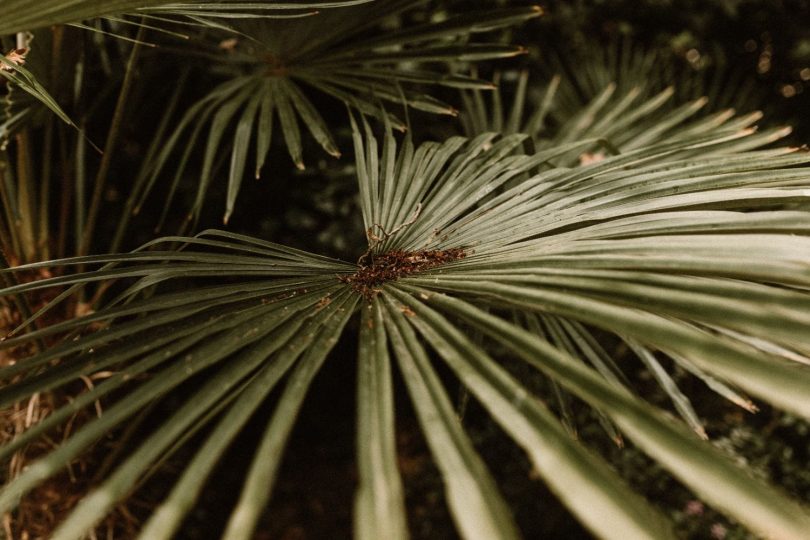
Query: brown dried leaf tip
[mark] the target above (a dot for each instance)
(15, 57)
(396, 264)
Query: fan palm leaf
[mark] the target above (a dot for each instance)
(18, 15)
(13, 71)
(274, 60)
(691, 248)
(588, 67)
(626, 96)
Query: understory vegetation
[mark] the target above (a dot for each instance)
(404, 268)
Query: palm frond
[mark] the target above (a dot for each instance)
(588, 67)
(692, 249)
(14, 72)
(627, 97)
(273, 61)
(379, 500)
(19, 16)
(501, 215)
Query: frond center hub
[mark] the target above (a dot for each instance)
(394, 264)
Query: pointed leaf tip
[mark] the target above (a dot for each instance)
(538, 10)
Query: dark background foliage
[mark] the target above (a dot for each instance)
(767, 43)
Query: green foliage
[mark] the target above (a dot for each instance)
(19, 16)
(561, 223)
(275, 57)
(609, 251)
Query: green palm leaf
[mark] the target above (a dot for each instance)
(622, 95)
(379, 503)
(23, 79)
(693, 248)
(275, 62)
(18, 15)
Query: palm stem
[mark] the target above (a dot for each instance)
(121, 106)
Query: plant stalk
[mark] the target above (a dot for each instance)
(112, 138)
